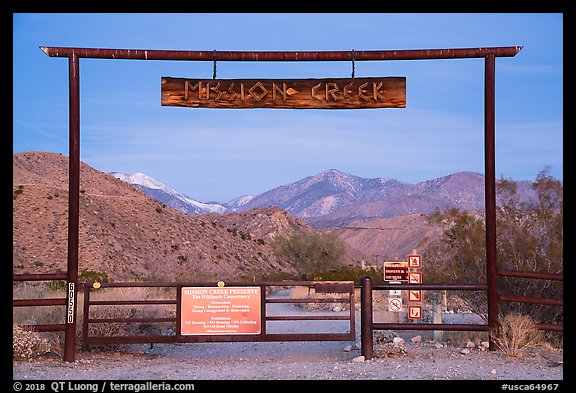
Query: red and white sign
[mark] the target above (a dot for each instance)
(395, 304)
(415, 261)
(415, 312)
(395, 271)
(220, 310)
(414, 278)
(415, 295)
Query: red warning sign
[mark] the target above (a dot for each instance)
(415, 312)
(415, 295)
(415, 278)
(415, 261)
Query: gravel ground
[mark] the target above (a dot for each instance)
(294, 360)
(424, 360)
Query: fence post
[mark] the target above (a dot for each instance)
(366, 330)
(490, 198)
(86, 312)
(73, 206)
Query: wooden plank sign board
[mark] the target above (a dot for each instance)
(347, 93)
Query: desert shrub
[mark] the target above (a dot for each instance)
(310, 253)
(37, 314)
(27, 343)
(529, 238)
(517, 333)
(92, 276)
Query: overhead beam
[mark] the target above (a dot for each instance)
(409, 54)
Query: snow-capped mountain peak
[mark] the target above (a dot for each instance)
(169, 196)
(141, 179)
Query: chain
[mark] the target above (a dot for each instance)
(353, 65)
(214, 72)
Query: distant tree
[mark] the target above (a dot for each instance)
(529, 237)
(310, 253)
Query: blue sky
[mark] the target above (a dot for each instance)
(219, 154)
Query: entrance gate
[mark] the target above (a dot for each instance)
(220, 315)
(278, 92)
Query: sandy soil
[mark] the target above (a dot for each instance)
(424, 360)
(299, 360)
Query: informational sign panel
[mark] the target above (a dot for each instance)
(220, 310)
(395, 271)
(342, 93)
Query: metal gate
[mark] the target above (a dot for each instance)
(338, 294)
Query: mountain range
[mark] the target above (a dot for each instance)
(335, 199)
(129, 234)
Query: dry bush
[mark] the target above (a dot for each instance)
(517, 333)
(27, 343)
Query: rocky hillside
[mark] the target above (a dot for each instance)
(386, 239)
(267, 223)
(127, 234)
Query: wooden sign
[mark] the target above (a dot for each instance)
(347, 93)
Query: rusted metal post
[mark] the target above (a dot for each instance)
(366, 328)
(73, 205)
(263, 313)
(86, 313)
(178, 325)
(490, 196)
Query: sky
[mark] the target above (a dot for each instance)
(220, 154)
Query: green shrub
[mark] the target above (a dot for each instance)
(92, 276)
(310, 253)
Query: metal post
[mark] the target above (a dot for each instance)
(366, 330)
(86, 313)
(178, 312)
(73, 205)
(490, 196)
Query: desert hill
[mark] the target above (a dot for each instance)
(128, 235)
(386, 239)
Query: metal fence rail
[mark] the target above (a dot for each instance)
(53, 327)
(368, 325)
